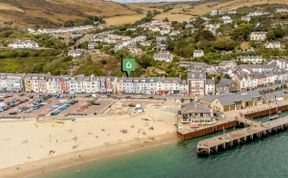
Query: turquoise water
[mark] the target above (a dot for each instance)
(262, 158)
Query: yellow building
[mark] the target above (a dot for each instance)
(230, 102)
(28, 85)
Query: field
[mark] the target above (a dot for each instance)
(56, 12)
(182, 12)
(4, 6)
(126, 19)
(174, 17)
(226, 6)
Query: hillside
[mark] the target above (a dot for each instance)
(53, 13)
(56, 12)
(231, 4)
(184, 11)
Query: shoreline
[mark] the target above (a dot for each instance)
(43, 166)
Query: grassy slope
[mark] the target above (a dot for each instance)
(180, 13)
(231, 4)
(55, 12)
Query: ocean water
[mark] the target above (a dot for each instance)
(262, 158)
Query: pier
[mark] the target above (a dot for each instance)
(253, 129)
(188, 134)
(266, 111)
(231, 121)
(242, 136)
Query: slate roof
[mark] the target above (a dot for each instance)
(275, 94)
(197, 75)
(210, 82)
(224, 82)
(209, 98)
(194, 107)
(230, 99)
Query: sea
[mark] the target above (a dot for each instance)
(263, 158)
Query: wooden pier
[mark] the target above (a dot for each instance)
(255, 130)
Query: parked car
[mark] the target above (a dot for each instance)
(13, 113)
(132, 105)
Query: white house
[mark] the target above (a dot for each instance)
(232, 12)
(198, 53)
(257, 13)
(227, 65)
(165, 31)
(273, 45)
(281, 10)
(227, 19)
(134, 50)
(246, 18)
(23, 44)
(65, 30)
(163, 56)
(76, 53)
(214, 12)
(280, 63)
(251, 59)
(209, 87)
(145, 43)
(161, 42)
(212, 28)
(91, 46)
(258, 36)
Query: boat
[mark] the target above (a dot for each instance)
(273, 117)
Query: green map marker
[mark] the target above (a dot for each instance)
(128, 65)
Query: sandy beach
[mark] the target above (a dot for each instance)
(30, 147)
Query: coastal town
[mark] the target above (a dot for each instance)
(67, 86)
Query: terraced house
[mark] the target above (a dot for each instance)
(35, 83)
(243, 78)
(152, 86)
(197, 82)
(12, 83)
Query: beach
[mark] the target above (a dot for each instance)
(31, 147)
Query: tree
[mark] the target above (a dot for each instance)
(84, 45)
(226, 76)
(262, 23)
(96, 19)
(203, 44)
(145, 61)
(278, 32)
(224, 43)
(271, 35)
(183, 47)
(122, 53)
(38, 68)
(242, 32)
(203, 35)
(198, 23)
